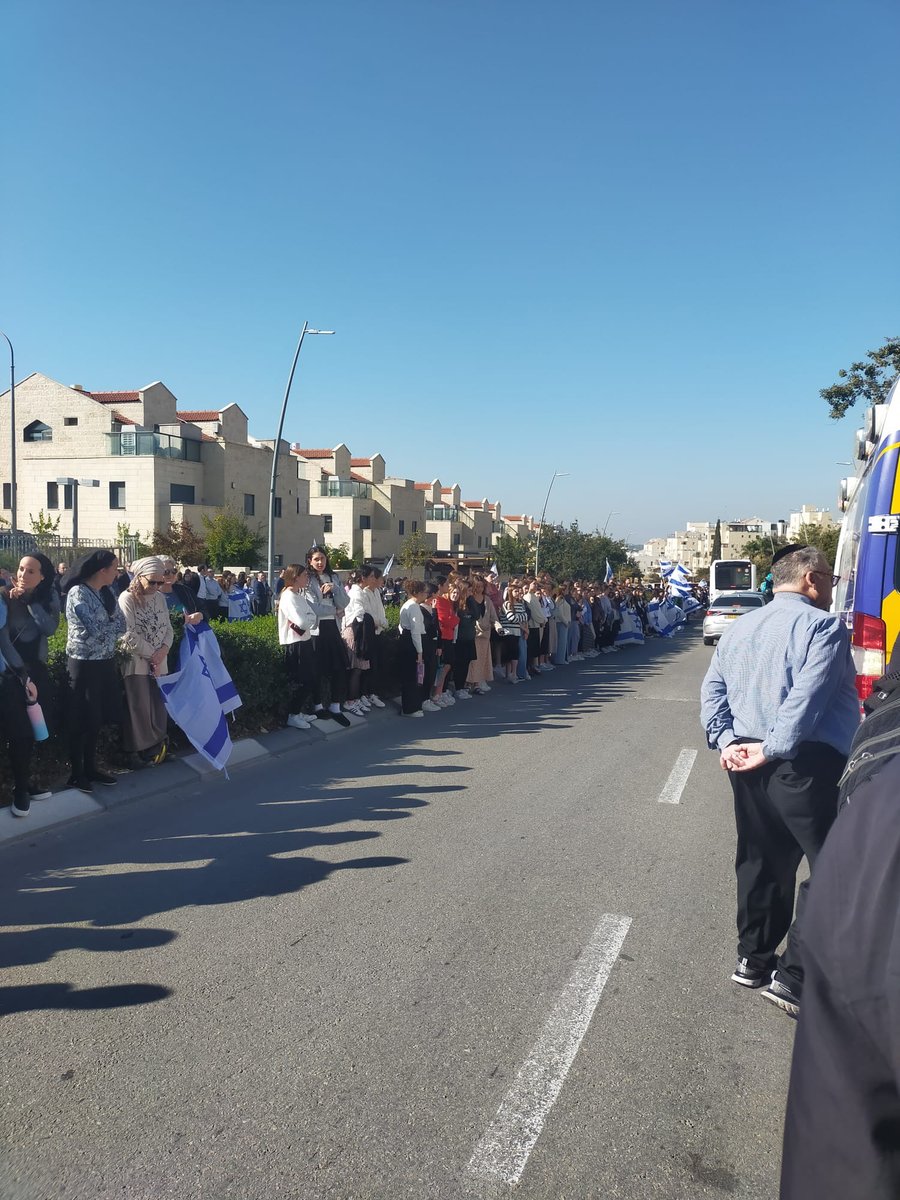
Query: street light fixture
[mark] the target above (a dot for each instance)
(74, 484)
(270, 557)
(12, 435)
(537, 549)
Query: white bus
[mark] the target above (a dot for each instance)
(731, 575)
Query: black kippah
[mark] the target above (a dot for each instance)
(786, 550)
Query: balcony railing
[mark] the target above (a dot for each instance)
(158, 445)
(442, 512)
(345, 487)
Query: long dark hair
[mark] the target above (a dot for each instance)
(316, 574)
(86, 566)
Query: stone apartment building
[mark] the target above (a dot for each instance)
(151, 461)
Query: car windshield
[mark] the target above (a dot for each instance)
(750, 601)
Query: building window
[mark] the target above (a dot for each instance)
(70, 420)
(327, 523)
(457, 539)
(479, 543)
(37, 431)
(415, 527)
(52, 495)
(278, 560)
(117, 494)
(181, 493)
(249, 505)
(402, 527)
(277, 507)
(365, 522)
(68, 495)
(7, 495)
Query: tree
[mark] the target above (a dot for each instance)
(182, 542)
(716, 551)
(43, 526)
(573, 554)
(229, 539)
(870, 381)
(133, 542)
(511, 553)
(415, 551)
(761, 550)
(340, 557)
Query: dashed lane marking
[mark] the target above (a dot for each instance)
(671, 793)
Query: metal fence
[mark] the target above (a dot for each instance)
(58, 549)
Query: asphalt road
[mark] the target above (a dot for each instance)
(363, 969)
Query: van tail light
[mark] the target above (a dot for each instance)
(867, 645)
(710, 612)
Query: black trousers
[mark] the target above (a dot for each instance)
(782, 811)
(842, 1129)
(411, 693)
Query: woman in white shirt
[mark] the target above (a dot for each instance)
(410, 654)
(296, 622)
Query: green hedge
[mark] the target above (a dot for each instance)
(254, 659)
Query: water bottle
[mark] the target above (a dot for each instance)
(38, 724)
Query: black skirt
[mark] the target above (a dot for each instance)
(331, 653)
(300, 662)
(94, 696)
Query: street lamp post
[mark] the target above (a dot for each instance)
(270, 557)
(537, 549)
(608, 519)
(74, 484)
(12, 435)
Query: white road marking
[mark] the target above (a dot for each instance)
(671, 793)
(504, 1149)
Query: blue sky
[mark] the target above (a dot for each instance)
(628, 241)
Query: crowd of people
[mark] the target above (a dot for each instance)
(458, 636)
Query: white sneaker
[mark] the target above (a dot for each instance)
(547, 667)
(448, 700)
(417, 713)
(463, 694)
(363, 702)
(482, 689)
(376, 701)
(297, 721)
(354, 706)
(511, 679)
(430, 706)
(309, 717)
(498, 672)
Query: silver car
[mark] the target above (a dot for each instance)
(726, 608)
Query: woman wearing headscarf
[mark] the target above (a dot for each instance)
(30, 613)
(146, 641)
(94, 695)
(327, 598)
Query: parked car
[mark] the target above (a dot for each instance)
(725, 609)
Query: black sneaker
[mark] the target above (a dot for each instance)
(748, 976)
(323, 714)
(341, 719)
(102, 777)
(81, 784)
(21, 804)
(40, 794)
(782, 997)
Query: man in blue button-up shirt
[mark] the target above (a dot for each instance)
(779, 703)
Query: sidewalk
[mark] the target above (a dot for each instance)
(71, 805)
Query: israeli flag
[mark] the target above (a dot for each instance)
(239, 606)
(665, 568)
(199, 694)
(691, 603)
(607, 578)
(388, 566)
(677, 588)
(494, 569)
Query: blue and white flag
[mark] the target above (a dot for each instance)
(240, 607)
(691, 604)
(388, 566)
(677, 588)
(494, 569)
(200, 693)
(665, 568)
(607, 578)
(679, 574)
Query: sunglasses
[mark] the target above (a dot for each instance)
(154, 582)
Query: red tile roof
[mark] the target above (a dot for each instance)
(314, 453)
(205, 437)
(358, 478)
(450, 489)
(199, 414)
(472, 504)
(422, 487)
(114, 397)
(361, 462)
(513, 518)
(117, 416)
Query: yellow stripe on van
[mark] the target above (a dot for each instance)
(892, 446)
(890, 614)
